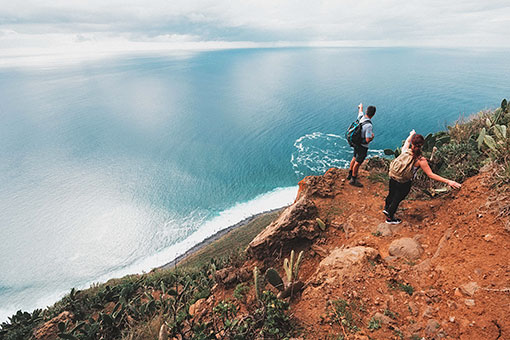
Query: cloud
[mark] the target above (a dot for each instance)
(35, 23)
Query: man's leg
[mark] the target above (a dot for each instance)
(351, 166)
(360, 154)
(355, 169)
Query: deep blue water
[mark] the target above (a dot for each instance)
(108, 167)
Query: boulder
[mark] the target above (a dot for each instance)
(342, 263)
(407, 248)
(296, 222)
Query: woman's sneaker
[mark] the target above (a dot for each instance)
(393, 220)
(386, 213)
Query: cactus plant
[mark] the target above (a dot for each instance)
(257, 281)
(321, 224)
(274, 279)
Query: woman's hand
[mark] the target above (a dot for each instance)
(412, 133)
(454, 184)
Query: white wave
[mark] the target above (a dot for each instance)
(317, 152)
(275, 199)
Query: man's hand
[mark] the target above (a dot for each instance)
(360, 108)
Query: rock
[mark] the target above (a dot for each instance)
(244, 275)
(196, 307)
(424, 266)
(49, 330)
(407, 248)
(429, 312)
(384, 230)
(226, 276)
(488, 237)
(414, 308)
(320, 186)
(469, 302)
(296, 222)
(432, 327)
(469, 288)
(383, 319)
(342, 263)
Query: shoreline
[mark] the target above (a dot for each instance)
(218, 235)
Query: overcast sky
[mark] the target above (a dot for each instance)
(33, 26)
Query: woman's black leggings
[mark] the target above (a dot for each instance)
(398, 191)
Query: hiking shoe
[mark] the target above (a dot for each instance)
(393, 220)
(386, 213)
(354, 182)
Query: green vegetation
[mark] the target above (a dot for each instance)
(374, 324)
(234, 241)
(138, 305)
(291, 268)
(396, 285)
(346, 313)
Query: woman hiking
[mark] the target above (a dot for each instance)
(402, 171)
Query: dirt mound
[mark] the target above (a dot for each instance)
(362, 282)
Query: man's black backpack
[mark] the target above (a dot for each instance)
(353, 134)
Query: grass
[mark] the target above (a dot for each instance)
(381, 177)
(234, 240)
(396, 285)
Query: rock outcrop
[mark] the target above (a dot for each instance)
(296, 222)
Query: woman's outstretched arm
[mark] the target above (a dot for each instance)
(424, 165)
(407, 143)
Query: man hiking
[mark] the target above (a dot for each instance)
(360, 150)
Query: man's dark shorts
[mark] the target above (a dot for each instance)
(360, 153)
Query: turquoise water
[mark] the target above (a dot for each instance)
(117, 166)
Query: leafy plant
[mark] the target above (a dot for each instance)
(394, 284)
(374, 324)
(346, 314)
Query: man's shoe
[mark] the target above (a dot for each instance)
(386, 213)
(354, 182)
(393, 220)
(350, 175)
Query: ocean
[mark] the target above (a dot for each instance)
(118, 165)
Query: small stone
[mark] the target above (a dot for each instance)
(469, 302)
(488, 237)
(469, 288)
(385, 320)
(432, 327)
(452, 319)
(413, 308)
(429, 312)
